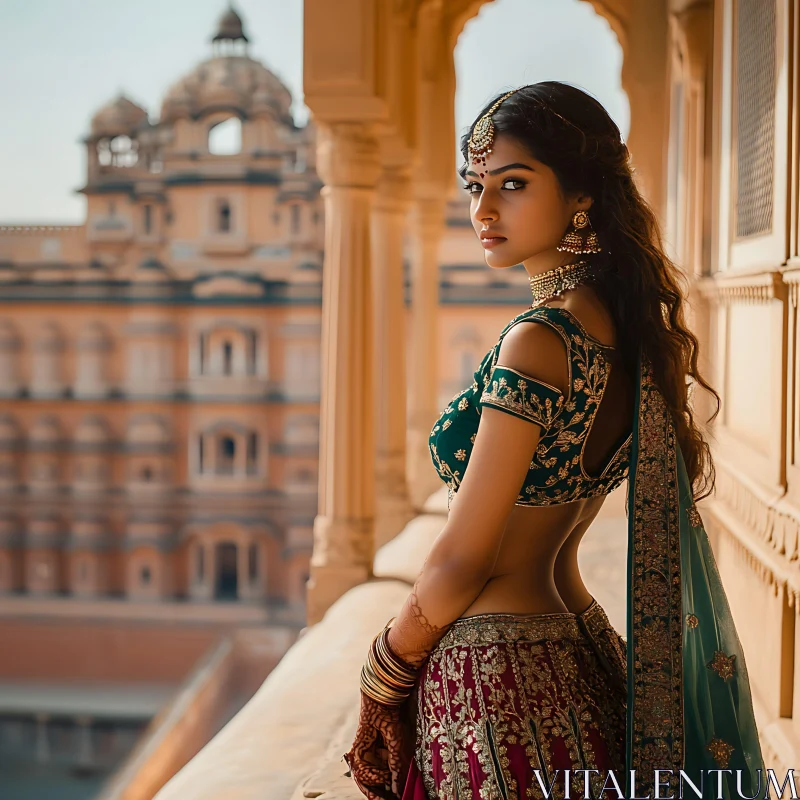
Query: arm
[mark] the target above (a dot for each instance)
(462, 557)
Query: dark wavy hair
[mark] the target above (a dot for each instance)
(642, 288)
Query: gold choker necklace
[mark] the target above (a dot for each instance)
(557, 280)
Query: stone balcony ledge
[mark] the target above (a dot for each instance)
(287, 742)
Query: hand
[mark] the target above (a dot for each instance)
(380, 755)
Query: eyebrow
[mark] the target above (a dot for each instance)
(506, 168)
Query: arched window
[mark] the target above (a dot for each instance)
(225, 138)
(226, 455)
(296, 218)
(229, 349)
(224, 217)
(145, 575)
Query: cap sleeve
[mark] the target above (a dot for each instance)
(522, 396)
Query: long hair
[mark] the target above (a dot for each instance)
(571, 132)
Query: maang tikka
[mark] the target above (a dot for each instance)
(482, 137)
(574, 242)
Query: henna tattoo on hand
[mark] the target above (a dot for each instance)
(381, 753)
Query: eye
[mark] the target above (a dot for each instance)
(519, 185)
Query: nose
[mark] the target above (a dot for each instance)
(485, 211)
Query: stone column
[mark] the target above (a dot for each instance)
(389, 215)
(348, 162)
(427, 227)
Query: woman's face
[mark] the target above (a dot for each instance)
(518, 200)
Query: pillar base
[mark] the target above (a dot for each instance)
(393, 513)
(326, 584)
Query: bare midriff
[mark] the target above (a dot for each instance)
(536, 571)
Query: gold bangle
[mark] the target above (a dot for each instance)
(378, 653)
(390, 683)
(392, 661)
(401, 664)
(378, 692)
(382, 675)
(377, 671)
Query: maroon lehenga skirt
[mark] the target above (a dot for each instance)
(503, 696)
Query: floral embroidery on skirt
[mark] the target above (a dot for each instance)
(504, 695)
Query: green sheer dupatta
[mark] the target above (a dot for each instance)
(689, 702)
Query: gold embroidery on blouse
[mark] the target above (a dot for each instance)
(721, 751)
(526, 404)
(694, 516)
(556, 474)
(692, 621)
(463, 403)
(447, 423)
(460, 454)
(722, 664)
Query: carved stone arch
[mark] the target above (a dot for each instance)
(230, 348)
(227, 448)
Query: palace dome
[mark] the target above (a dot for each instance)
(230, 79)
(227, 81)
(120, 116)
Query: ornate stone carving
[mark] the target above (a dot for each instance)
(757, 287)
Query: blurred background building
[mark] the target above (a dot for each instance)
(159, 422)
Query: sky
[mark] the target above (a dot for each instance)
(61, 61)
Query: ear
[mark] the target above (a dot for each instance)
(583, 202)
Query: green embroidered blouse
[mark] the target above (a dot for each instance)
(556, 473)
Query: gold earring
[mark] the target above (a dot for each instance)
(573, 242)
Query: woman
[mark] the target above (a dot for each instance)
(501, 672)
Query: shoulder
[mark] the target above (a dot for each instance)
(537, 348)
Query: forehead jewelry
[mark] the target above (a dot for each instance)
(482, 137)
(480, 142)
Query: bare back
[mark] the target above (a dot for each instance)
(537, 567)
